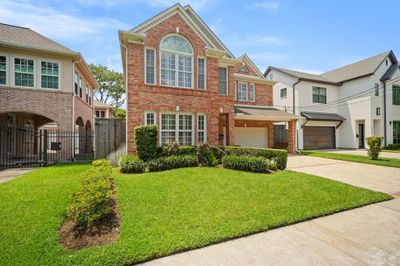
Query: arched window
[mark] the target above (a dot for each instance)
(243, 68)
(176, 68)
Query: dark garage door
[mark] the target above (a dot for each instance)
(318, 138)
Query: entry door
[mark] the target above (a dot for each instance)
(361, 136)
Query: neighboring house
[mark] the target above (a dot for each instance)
(342, 107)
(182, 78)
(42, 85)
(103, 110)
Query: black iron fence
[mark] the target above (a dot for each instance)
(26, 147)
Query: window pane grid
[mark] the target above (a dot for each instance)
(150, 66)
(319, 95)
(176, 128)
(396, 95)
(201, 127)
(150, 119)
(201, 73)
(396, 132)
(49, 75)
(222, 81)
(23, 69)
(3, 69)
(242, 92)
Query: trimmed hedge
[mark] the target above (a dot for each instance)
(92, 201)
(246, 163)
(393, 147)
(146, 138)
(176, 149)
(129, 164)
(172, 162)
(280, 156)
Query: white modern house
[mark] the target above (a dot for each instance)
(342, 107)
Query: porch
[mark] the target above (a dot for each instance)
(256, 126)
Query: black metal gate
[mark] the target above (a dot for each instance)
(26, 147)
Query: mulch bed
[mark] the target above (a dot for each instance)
(105, 231)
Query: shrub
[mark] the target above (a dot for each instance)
(205, 155)
(218, 152)
(172, 162)
(146, 142)
(279, 155)
(246, 163)
(176, 149)
(129, 164)
(92, 201)
(393, 147)
(374, 144)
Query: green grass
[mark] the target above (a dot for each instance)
(163, 213)
(395, 151)
(391, 162)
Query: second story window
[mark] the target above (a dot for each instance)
(90, 96)
(396, 95)
(76, 83)
(376, 89)
(150, 68)
(176, 68)
(319, 95)
(24, 72)
(283, 93)
(3, 70)
(252, 92)
(222, 81)
(242, 92)
(201, 73)
(49, 75)
(80, 87)
(87, 94)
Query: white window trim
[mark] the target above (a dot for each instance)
(34, 72)
(205, 73)
(205, 127)
(227, 80)
(235, 89)
(150, 112)
(59, 74)
(176, 53)
(247, 91)
(155, 65)
(176, 125)
(7, 69)
(254, 92)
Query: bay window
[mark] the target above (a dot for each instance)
(49, 72)
(176, 128)
(24, 70)
(3, 70)
(176, 68)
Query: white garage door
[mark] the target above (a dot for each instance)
(251, 136)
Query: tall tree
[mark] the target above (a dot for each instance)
(111, 85)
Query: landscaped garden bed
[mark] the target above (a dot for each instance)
(162, 213)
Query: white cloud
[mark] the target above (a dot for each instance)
(271, 6)
(54, 23)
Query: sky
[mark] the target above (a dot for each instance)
(308, 35)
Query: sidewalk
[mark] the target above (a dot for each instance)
(10, 174)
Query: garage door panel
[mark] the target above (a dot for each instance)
(251, 136)
(319, 138)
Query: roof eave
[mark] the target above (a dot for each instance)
(34, 48)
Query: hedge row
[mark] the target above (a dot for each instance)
(393, 147)
(246, 163)
(172, 162)
(92, 201)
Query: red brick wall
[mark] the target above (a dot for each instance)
(250, 71)
(54, 105)
(143, 97)
(263, 95)
(84, 111)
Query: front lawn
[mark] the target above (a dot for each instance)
(394, 151)
(391, 162)
(164, 212)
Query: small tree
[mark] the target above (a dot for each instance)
(374, 144)
(146, 142)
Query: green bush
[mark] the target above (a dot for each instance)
(218, 152)
(393, 147)
(146, 142)
(279, 155)
(246, 163)
(176, 149)
(205, 155)
(129, 164)
(172, 162)
(374, 143)
(92, 201)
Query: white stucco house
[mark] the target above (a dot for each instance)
(342, 107)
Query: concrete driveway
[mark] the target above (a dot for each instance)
(365, 236)
(365, 153)
(379, 178)
(10, 174)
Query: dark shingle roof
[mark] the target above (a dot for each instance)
(322, 116)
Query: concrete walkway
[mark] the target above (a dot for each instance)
(10, 174)
(379, 178)
(365, 236)
(365, 153)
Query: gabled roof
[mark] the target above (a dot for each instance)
(190, 17)
(337, 76)
(246, 58)
(11, 35)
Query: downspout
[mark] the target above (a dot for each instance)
(126, 92)
(73, 109)
(294, 113)
(384, 114)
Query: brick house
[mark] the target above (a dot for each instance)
(42, 85)
(182, 78)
